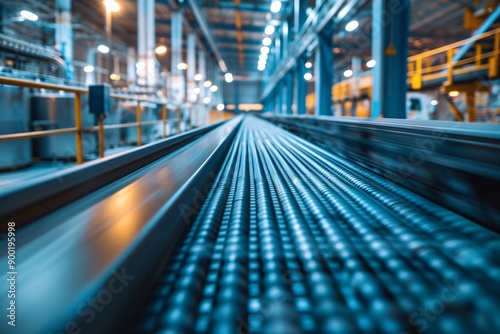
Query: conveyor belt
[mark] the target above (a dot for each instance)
(294, 239)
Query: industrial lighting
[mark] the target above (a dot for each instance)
(264, 50)
(182, 66)
(197, 90)
(270, 29)
(351, 26)
(267, 41)
(220, 107)
(261, 67)
(160, 50)
(29, 15)
(207, 83)
(88, 69)
(263, 56)
(228, 77)
(308, 76)
(112, 5)
(214, 88)
(309, 64)
(275, 6)
(434, 102)
(115, 77)
(454, 93)
(198, 77)
(371, 63)
(103, 48)
(348, 73)
(207, 100)
(140, 65)
(263, 62)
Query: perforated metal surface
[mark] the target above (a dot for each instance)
(293, 239)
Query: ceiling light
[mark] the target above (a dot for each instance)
(261, 67)
(207, 83)
(220, 107)
(88, 69)
(198, 77)
(309, 64)
(371, 63)
(29, 15)
(262, 62)
(264, 50)
(182, 66)
(267, 41)
(140, 65)
(103, 48)
(263, 56)
(434, 102)
(112, 5)
(270, 29)
(454, 93)
(308, 76)
(275, 6)
(197, 90)
(207, 100)
(161, 49)
(214, 88)
(115, 77)
(348, 73)
(351, 26)
(228, 77)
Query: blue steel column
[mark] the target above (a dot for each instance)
(299, 8)
(324, 75)
(390, 50)
(64, 35)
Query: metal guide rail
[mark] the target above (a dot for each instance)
(294, 239)
(456, 165)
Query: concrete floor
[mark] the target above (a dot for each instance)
(42, 168)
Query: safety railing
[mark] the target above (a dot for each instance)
(79, 129)
(439, 63)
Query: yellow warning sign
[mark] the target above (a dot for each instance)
(391, 50)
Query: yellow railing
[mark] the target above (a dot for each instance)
(78, 129)
(421, 67)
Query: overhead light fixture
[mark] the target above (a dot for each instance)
(214, 88)
(434, 102)
(29, 15)
(112, 5)
(220, 107)
(263, 56)
(371, 63)
(267, 41)
(454, 93)
(270, 29)
(308, 76)
(309, 64)
(182, 66)
(198, 77)
(261, 67)
(140, 65)
(197, 90)
(115, 77)
(228, 77)
(348, 73)
(264, 50)
(275, 6)
(102, 48)
(262, 61)
(207, 83)
(207, 100)
(88, 69)
(161, 49)
(351, 26)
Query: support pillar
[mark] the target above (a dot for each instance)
(191, 62)
(90, 76)
(299, 8)
(323, 73)
(146, 72)
(289, 93)
(176, 76)
(131, 70)
(64, 35)
(390, 51)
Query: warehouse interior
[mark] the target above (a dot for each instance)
(250, 166)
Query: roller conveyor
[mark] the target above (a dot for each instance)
(293, 239)
(250, 229)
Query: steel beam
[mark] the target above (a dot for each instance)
(323, 70)
(390, 51)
